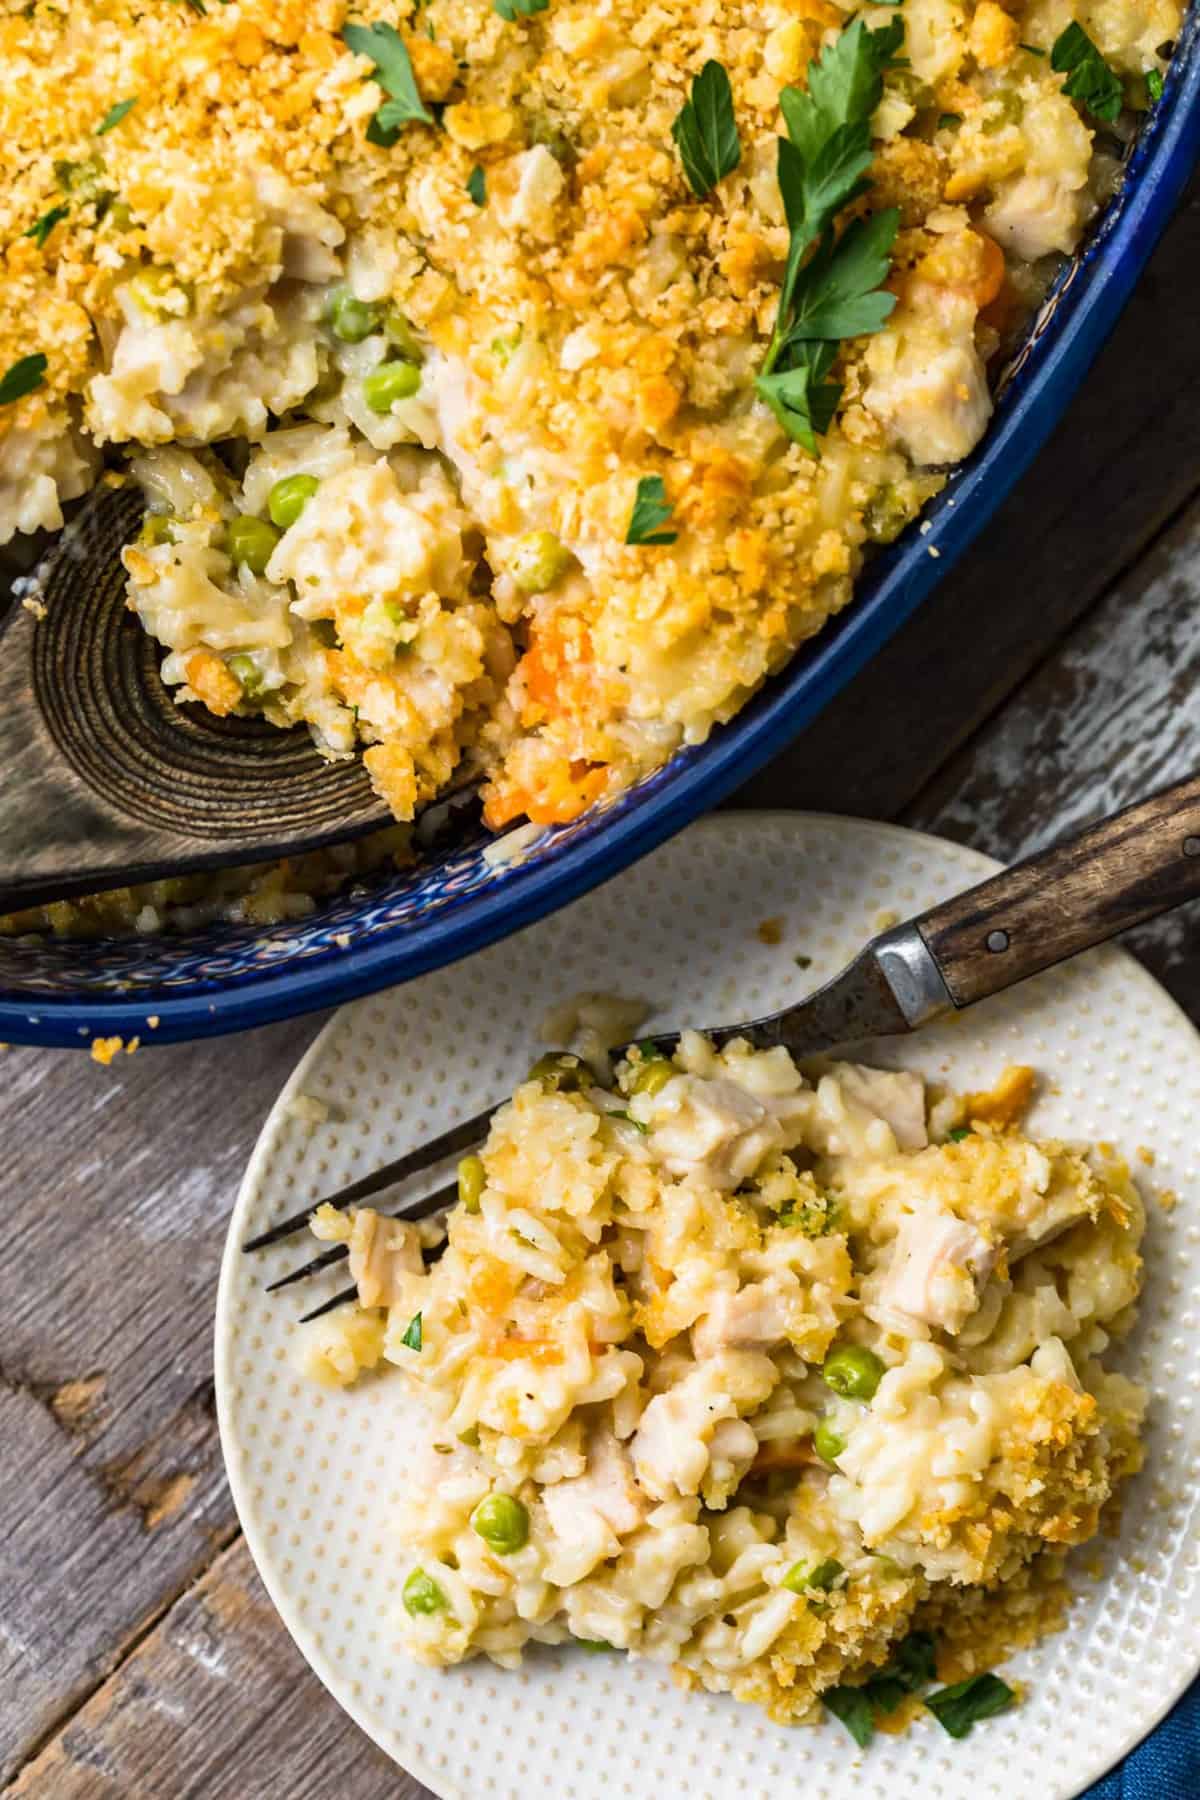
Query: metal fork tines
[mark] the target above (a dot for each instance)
(424, 1208)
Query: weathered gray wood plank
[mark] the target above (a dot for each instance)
(217, 1702)
(112, 1493)
(1112, 716)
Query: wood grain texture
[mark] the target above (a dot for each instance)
(181, 1718)
(108, 780)
(139, 1655)
(1126, 868)
(112, 1492)
(1113, 714)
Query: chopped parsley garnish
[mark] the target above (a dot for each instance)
(1154, 85)
(1089, 78)
(651, 510)
(394, 73)
(959, 1707)
(412, 1337)
(837, 293)
(115, 114)
(958, 1134)
(915, 1662)
(25, 377)
(201, 11)
(1031, 49)
(512, 10)
(705, 131)
(45, 225)
(913, 1667)
(947, 119)
(477, 186)
(853, 1707)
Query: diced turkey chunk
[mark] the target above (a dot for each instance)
(606, 1488)
(713, 1129)
(381, 1250)
(896, 1096)
(1035, 214)
(933, 398)
(937, 1267)
(673, 1443)
(753, 1318)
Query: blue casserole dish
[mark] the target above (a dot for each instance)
(226, 977)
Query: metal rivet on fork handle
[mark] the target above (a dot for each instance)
(997, 941)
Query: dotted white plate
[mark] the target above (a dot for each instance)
(314, 1473)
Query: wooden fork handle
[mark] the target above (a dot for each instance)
(1127, 868)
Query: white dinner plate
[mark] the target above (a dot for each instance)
(314, 1472)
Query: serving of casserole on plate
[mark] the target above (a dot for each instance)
(799, 1389)
(516, 386)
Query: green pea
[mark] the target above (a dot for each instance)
(472, 1178)
(422, 1595)
(158, 528)
(289, 497)
(1006, 107)
(251, 541)
(827, 1442)
(502, 1523)
(349, 319)
(248, 673)
(885, 515)
(538, 560)
(84, 181)
(400, 334)
(853, 1371)
(823, 1575)
(390, 382)
(559, 1072)
(160, 293)
(653, 1074)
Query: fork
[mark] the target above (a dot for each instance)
(1124, 869)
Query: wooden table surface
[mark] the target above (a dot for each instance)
(1053, 676)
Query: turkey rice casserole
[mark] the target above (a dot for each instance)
(516, 385)
(757, 1375)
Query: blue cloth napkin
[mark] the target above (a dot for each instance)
(1166, 1765)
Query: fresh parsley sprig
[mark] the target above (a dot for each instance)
(114, 115)
(477, 186)
(512, 10)
(912, 1667)
(651, 510)
(959, 1707)
(706, 132)
(1089, 78)
(45, 225)
(394, 73)
(25, 376)
(832, 283)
